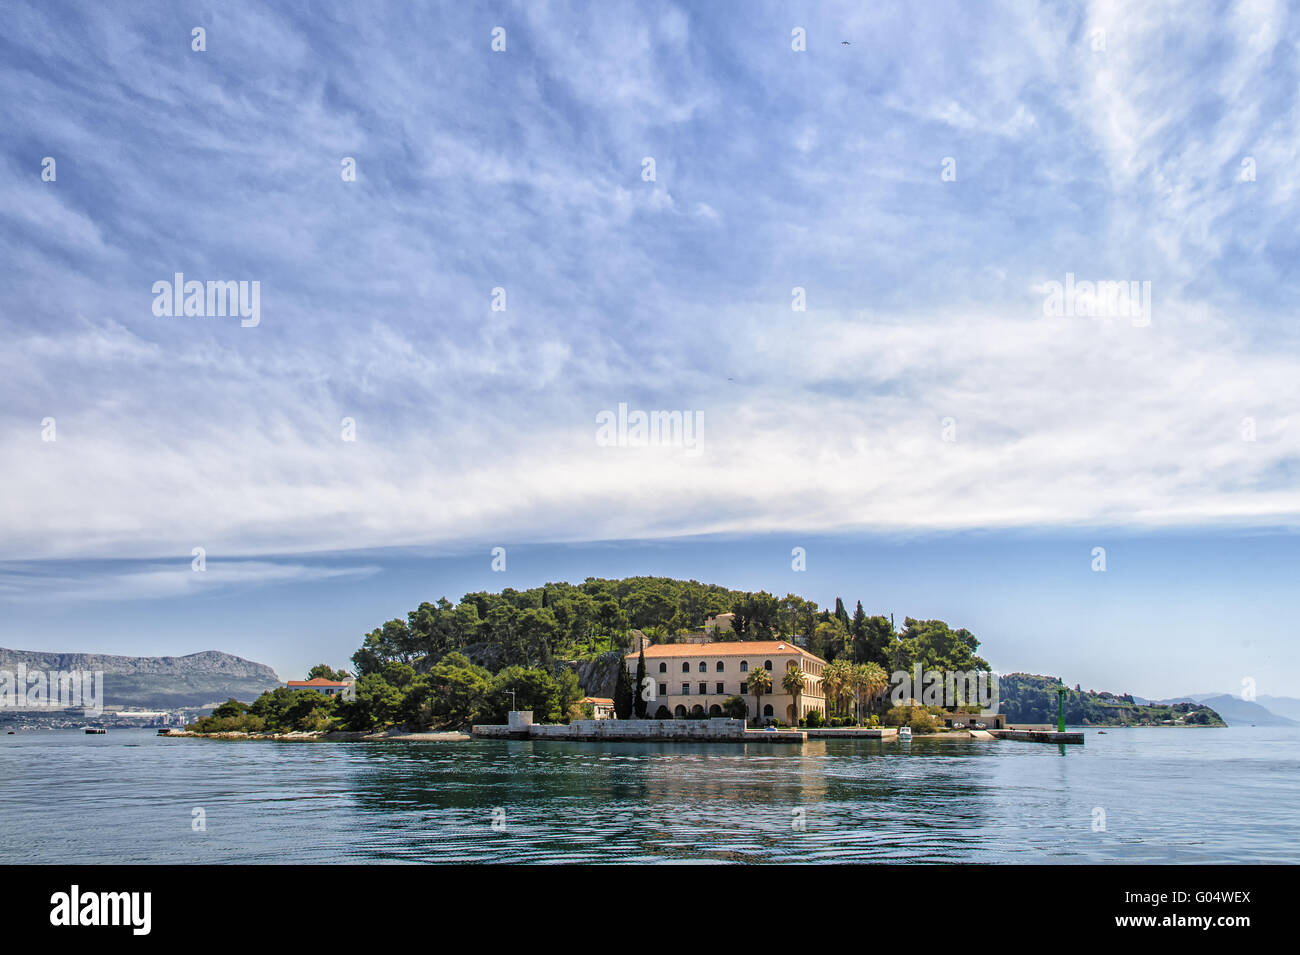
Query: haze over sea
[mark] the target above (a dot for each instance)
(1163, 796)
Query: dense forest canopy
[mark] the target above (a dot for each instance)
(451, 665)
(562, 621)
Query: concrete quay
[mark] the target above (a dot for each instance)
(1039, 736)
(718, 730)
(853, 732)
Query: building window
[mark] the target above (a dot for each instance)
(663, 668)
(767, 666)
(704, 688)
(704, 667)
(719, 666)
(686, 689)
(720, 688)
(686, 668)
(744, 688)
(744, 666)
(767, 710)
(663, 689)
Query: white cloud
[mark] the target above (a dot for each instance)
(479, 170)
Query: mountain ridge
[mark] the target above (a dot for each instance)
(193, 679)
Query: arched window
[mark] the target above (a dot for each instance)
(744, 666)
(767, 666)
(679, 712)
(704, 667)
(686, 668)
(663, 668)
(767, 710)
(719, 666)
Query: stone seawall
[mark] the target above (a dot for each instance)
(1038, 736)
(854, 732)
(715, 730)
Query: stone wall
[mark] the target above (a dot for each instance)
(715, 729)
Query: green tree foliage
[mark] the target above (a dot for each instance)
(934, 645)
(757, 616)
(734, 707)
(324, 672)
(376, 703)
(842, 615)
(760, 683)
(918, 718)
(793, 683)
(285, 710)
(830, 639)
(455, 691)
(452, 664)
(1031, 698)
(534, 690)
(623, 693)
(640, 705)
(229, 709)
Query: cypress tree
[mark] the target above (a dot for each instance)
(842, 614)
(639, 703)
(858, 629)
(623, 692)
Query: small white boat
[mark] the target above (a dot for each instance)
(905, 734)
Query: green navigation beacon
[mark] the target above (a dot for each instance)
(1060, 705)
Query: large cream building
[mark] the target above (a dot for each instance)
(695, 679)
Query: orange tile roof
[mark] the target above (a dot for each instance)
(318, 681)
(725, 648)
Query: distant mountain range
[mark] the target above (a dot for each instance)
(1238, 712)
(158, 683)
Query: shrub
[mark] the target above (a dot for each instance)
(734, 707)
(916, 717)
(814, 719)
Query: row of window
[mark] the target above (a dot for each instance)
(704, 667)
(704, 689)
(679, 712)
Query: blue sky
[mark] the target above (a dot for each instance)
(940, 444)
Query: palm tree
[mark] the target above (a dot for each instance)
(856, 681)
(830, 687)
(869, 678)
(760, 682)
(874, 679)
(835, 680)
(793, 683)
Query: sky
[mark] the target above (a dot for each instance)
(826, 235)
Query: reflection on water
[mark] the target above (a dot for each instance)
(1167, 796)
